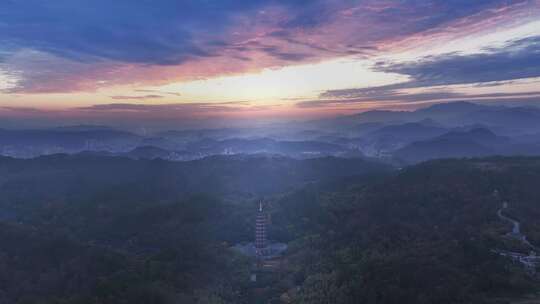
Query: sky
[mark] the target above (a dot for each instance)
(144, 62)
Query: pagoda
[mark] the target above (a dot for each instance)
(260, 232)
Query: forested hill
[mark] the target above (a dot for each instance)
(426, 235)
(61, 176)
(94, 229)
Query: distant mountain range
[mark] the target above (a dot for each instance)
(473, 143)
(457, 129)
(454, 114)
(31, 143)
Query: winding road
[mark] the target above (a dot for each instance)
(516, 227)
(529, 261)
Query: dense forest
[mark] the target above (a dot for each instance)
(425, 235)
(93, 229)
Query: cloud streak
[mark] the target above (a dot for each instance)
(144, 97)
(134, 113)
(165, 108)
(518, 60)
(436, 96)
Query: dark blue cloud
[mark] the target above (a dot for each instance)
(278, 53)
(154, 32)
(131, 31)
(518, 60)
(166, 32)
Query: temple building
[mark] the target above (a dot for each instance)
(261, 249)
(260, 232)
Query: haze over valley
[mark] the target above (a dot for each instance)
(457, 129)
